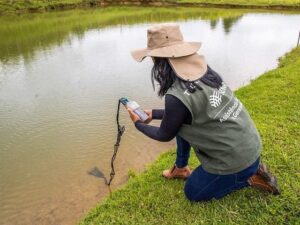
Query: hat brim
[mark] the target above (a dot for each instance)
(191, 67)
(172, 51)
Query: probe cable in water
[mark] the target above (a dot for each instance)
(121, 129)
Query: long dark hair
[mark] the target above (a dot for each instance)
(165, 76)
(163, 73)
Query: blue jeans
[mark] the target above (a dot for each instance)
(204, 186)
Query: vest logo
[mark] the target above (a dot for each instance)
(216, 98)
(186, 92)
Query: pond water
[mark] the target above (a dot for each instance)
(61, 75)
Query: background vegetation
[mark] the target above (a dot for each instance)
(273, 101)
(8, 6)
(246, 2)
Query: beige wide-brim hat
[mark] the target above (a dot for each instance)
(166, 41)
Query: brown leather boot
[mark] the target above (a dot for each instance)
(176, 172)
(264, 180)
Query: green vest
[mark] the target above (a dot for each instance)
(222, 133)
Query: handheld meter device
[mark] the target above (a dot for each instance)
(135, 108)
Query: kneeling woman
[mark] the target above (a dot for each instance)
(201, 111)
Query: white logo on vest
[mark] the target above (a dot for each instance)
(216, 98)
(233, 111)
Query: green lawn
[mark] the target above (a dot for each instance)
(273, 101)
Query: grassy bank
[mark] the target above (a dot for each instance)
(20, 6)
(273, 101)
(246, 3)
(9, 6)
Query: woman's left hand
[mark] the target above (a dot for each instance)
(134, 117)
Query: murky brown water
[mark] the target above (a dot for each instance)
(58, 105)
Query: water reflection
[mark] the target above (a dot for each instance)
(229, 22)
(213, 24)
(22, 36)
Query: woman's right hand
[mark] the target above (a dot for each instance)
(149, 113)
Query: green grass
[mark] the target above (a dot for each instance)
(9, 6)
(267, 3)
(273, 101)
(34, 5)
(45, 5)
